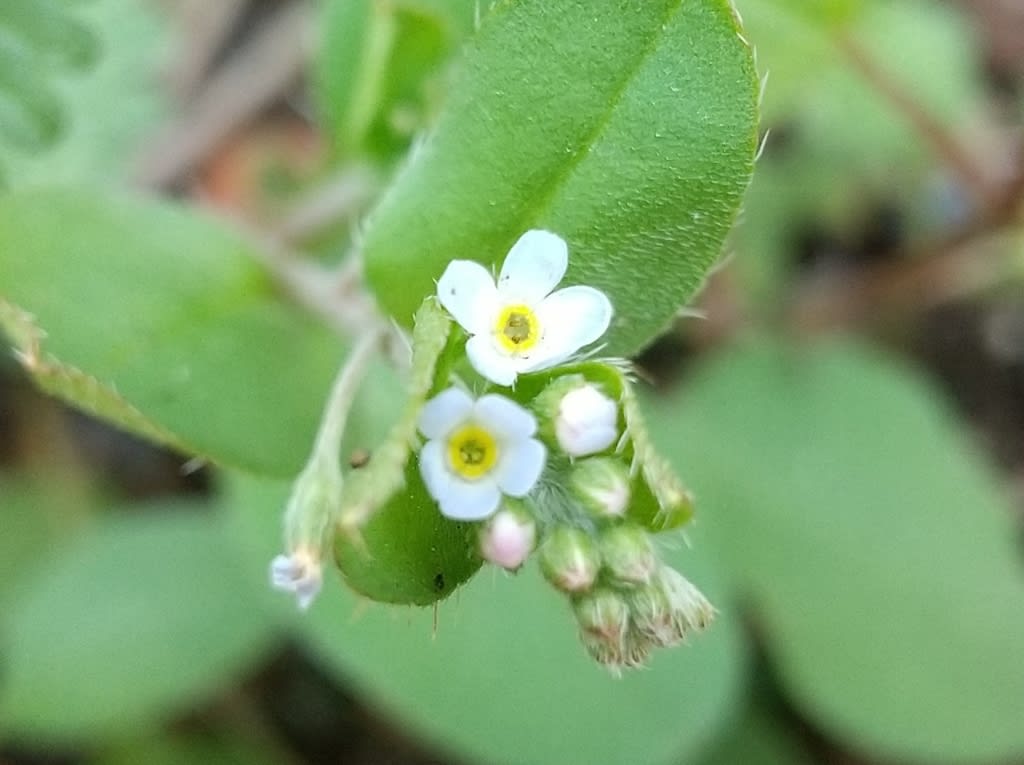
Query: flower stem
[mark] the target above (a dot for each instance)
(315, 500)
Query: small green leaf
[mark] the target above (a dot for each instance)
(630, 133)
(133, 621)
(393, 544)
(407, 552)
(878, 553)
(157, 319)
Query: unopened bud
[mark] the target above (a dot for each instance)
(602, 485)
(569, 559)
(652, 615)
(507, 539)
(578, 415)
(587, 421)
(690, 609)
(605, 630)
(628, 555)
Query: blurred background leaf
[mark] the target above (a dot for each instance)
(131, 621)
(77, 88)
(175, 357)
(878, 555)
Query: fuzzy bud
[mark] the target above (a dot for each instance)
(602, 485)
(690, 609)
(587, 421)
(652, 615)
(507, 539)
(628, 555)
(569, 559)
(605, 630)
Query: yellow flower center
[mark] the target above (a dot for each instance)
(517, 328)
(472, 451)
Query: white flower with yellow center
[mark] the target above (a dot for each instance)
(519, 325)
(478, 450)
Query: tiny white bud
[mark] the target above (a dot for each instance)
(299, 574)
(587, 421)
(507, 539)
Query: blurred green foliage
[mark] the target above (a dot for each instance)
(864, 558)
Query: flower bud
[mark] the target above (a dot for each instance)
(603, 613)
(313, 503)
(628, 555)
(569, 559)
(299, 574)
(690, 609)
(652, 615)
(604, 620)
(507, 539)
(607, 632)
(587, 421)
(602, 485)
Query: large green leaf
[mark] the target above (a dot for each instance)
(134, 620)
(628, 131)
(503, 678)
(78, 87)
(158, 319)
(757, 738)
(879, 555)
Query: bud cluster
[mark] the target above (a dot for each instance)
(626, 600)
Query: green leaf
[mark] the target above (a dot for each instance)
(503, 678)
(81, 78)
(757, 738)
(878, 553)
(159, 320)
(629, 133)
(394, 545)
(378, 67)
(135, 620)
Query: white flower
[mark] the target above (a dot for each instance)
(298, 574)
(477, 451)
(507, 540)
(587, 421)
(516, 325)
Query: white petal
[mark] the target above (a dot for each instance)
(467, 290)
(504, 417)
(519, 466)
(489, 362)
(436, 475)
(297, 574)
(584, 441)
(533, 267)
(470, 500)
(444, 412)
(569, 319)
